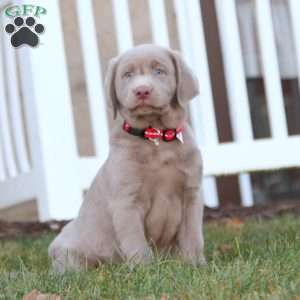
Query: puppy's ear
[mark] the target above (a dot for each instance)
(110, 88)
(187, 82)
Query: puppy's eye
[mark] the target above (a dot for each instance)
(128, 74)
(158, 71)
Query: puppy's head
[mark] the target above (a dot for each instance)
(148, 80)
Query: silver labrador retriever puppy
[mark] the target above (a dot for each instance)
(146, 196)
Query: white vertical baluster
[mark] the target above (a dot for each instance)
(193, 48)
(5, 135)
(294, 7)
(2, 169)
(270, 69)
(236, 84)
(159, 22)
(48, 108)
(93, 77)
(205, 104)
(2, 99)
(234, 70)
(13, 93)
(123, 26)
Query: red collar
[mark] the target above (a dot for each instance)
(155, 134)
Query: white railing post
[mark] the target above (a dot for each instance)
(123, 24)
(294, 8)
(48, 110)
(236, 84)
(2, 167)
(192, 45)
(205, 105)
(5, 137)
(14, 101)
(93, 77)
(278, 122)
(159, 22)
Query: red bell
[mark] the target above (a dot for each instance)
(152, 133)
(169, 135)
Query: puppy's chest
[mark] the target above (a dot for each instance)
(162, 192)
(161, 157)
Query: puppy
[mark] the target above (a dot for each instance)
(146, 196)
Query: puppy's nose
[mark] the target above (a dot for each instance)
(142, 92)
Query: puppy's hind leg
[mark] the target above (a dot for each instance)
(68, 251)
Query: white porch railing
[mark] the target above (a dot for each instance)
(56, 175)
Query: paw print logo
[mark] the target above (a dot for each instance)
(24, 32)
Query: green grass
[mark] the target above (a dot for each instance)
(261, 260)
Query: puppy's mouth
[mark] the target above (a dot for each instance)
(143, 102)
(144, 109)
(147, 109)
(143, 106)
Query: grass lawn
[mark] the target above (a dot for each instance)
(255, 260)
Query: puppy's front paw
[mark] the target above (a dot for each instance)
(200, 261)
(196, 258)
(142, 256)
(196, 261)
